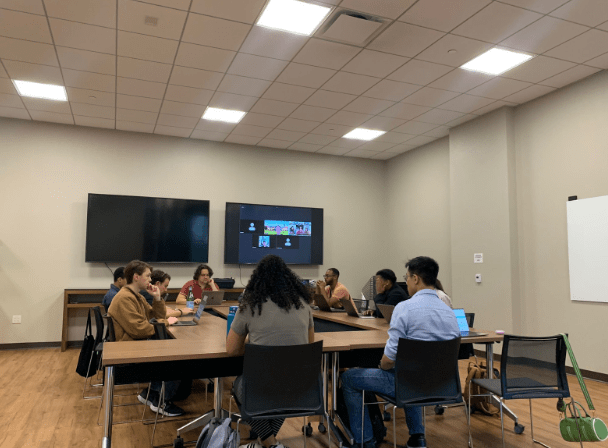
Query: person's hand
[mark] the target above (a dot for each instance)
(171, 320)
(186, 311)
(368, 313)
(154, 291)
(321, 284)
(197, 301)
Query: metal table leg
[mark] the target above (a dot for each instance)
(489, 362)
(206, 417)
(106, 442)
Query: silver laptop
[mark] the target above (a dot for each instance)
(352, 311)
(214, 297)
(463, 325)
(387, 311)
(195, 320)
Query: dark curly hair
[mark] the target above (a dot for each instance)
(273, 279)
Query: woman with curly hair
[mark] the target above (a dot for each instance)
(275, 310)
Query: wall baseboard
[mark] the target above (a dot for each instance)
(27, 345)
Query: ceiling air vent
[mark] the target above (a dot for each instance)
(351, 27)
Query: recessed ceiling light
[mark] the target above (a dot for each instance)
(364, 134)
(227, 115)
(496, 61)
(44, 91)
(293, 16)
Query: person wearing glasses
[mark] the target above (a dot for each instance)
(332, 289)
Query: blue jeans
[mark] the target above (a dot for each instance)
(170, 388)
(354, 381)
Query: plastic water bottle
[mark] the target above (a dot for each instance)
(190, 299)
(231, 314)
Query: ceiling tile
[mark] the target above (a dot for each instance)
(177, 121)
(348, 118)
(287, 92)
(183, 109)
(528, 94)
(600, 61)
(3, 73)
(90, 110)
(305, 75)
(40, 115)
(332, 130)
(7, 86)
(137, 116)
(421, 140)
(585, 12)
(86, 96)
(270, 143)
(146, 70)
(538, 68)
(238, 10)
(363, 153)
(256, 66)
(173, 131)
(569, 76)
(19, 25)
(350, 83)
(272, 43)
(404, 39)
(308, 147)
(543, 35)
(400, 149)
(312, 113)
(11, 112)
(496, 22)
(87, 61)
(87, 80)
(462, 119)
(466, 103)
(272, 107)
(466, 49)
(179, 4)
(430, 97)
(386, 8)
(603, 26)
(32, 6)
(461, 80)
(85, 37)
(188, 95)
(316, 139)
(132, 16)
(146, 47)
(137, 87)
(415, 128)
(134, 127)
(267, 121)
(583, 47)
(242, 139)
(490, 107)
(391, 90)
(251, 131)
(243, 86)
(215, 126)
(209, 135)
(331, 100)
(384, 155)
(11, 101)
(348, 143)
(366, 105)
(376, 145)
(199, 79)
(93, 12)
(138, 103)
(231, 101)
(374, 63)
(438, 116)
(292, 124)
(382, 123)
(206, 58)
(405, 111)
(442, 15)
(290, 136)
(334, 151)
(542, 6)
(322, 53)
(496, 88)
(395, 137)
(420, 72)
(214, 32)
(60, 107)
(25, 71)
(34, 52)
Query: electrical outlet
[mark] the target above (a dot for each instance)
(17, 319)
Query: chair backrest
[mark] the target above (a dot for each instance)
(282, 380)
(97, 312)
(470, 319)
(533, 367)
(466, 350)
(110, 334)
(426, 372)
(160, 330)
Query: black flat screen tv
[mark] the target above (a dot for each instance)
(254, 231)
(125, 228)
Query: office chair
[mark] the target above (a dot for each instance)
(293, 390)
(99, 327)
(530, 367)
(426, 374)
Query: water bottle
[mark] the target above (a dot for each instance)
(190, 299)
(231, 314)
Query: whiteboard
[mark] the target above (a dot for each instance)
(588, 249)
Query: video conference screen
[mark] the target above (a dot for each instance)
(254, 231)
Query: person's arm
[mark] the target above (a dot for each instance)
(339, 293)
(181, 299)
(213, 285)
(179, 312)
(235, 343)
(386, 363)
(311, 335)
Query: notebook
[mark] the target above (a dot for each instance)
(463, 324)
(197, 316)
(387, 311)
(213, 297)
(351, 310)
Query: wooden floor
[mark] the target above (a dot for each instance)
(43, 407)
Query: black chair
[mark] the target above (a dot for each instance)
(466, 350)
(99, 327)
(426, 374)
(293, 390)
(530, 367)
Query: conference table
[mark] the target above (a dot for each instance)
(200, 352)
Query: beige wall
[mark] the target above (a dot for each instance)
(48, 169)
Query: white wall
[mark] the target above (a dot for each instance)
(47, 170)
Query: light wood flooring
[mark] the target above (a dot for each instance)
(42, 407)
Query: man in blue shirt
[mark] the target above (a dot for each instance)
(119, 282)
(423, 317)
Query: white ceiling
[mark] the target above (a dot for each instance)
(300, 93)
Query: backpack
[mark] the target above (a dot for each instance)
(218, 434)
(478, 370)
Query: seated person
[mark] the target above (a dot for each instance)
(423, 317)
(442, 295)
(161, 280)
(119, 282)
(332, 289)
(275, 311)
(201, 281)
(389, 292)
(131, 315)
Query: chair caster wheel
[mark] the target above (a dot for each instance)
(386, 416)
(322, 428)
(439, 410)
(519, 429)
(307, 430)
(178, 443)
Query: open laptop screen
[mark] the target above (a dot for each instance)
(463, 326)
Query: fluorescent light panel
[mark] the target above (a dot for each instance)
(44, 91)
(293, 16)
(226, 115)
(496, 61)
(364, 134)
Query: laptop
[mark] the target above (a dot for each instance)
(351, 310)
(213, 297)
(387, 311)
(194, 321)
(323, 304)
(463, 325)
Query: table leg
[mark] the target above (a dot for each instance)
(106, 442)
(217, 396)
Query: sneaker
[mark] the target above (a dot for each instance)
(369, 444)
(252, 445)
(152, 396)
(168, 409)
(416, 441)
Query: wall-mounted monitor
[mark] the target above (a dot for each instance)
(254, 231)
(125, 228)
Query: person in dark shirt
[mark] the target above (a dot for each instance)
(119, 282)
(389, 292)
